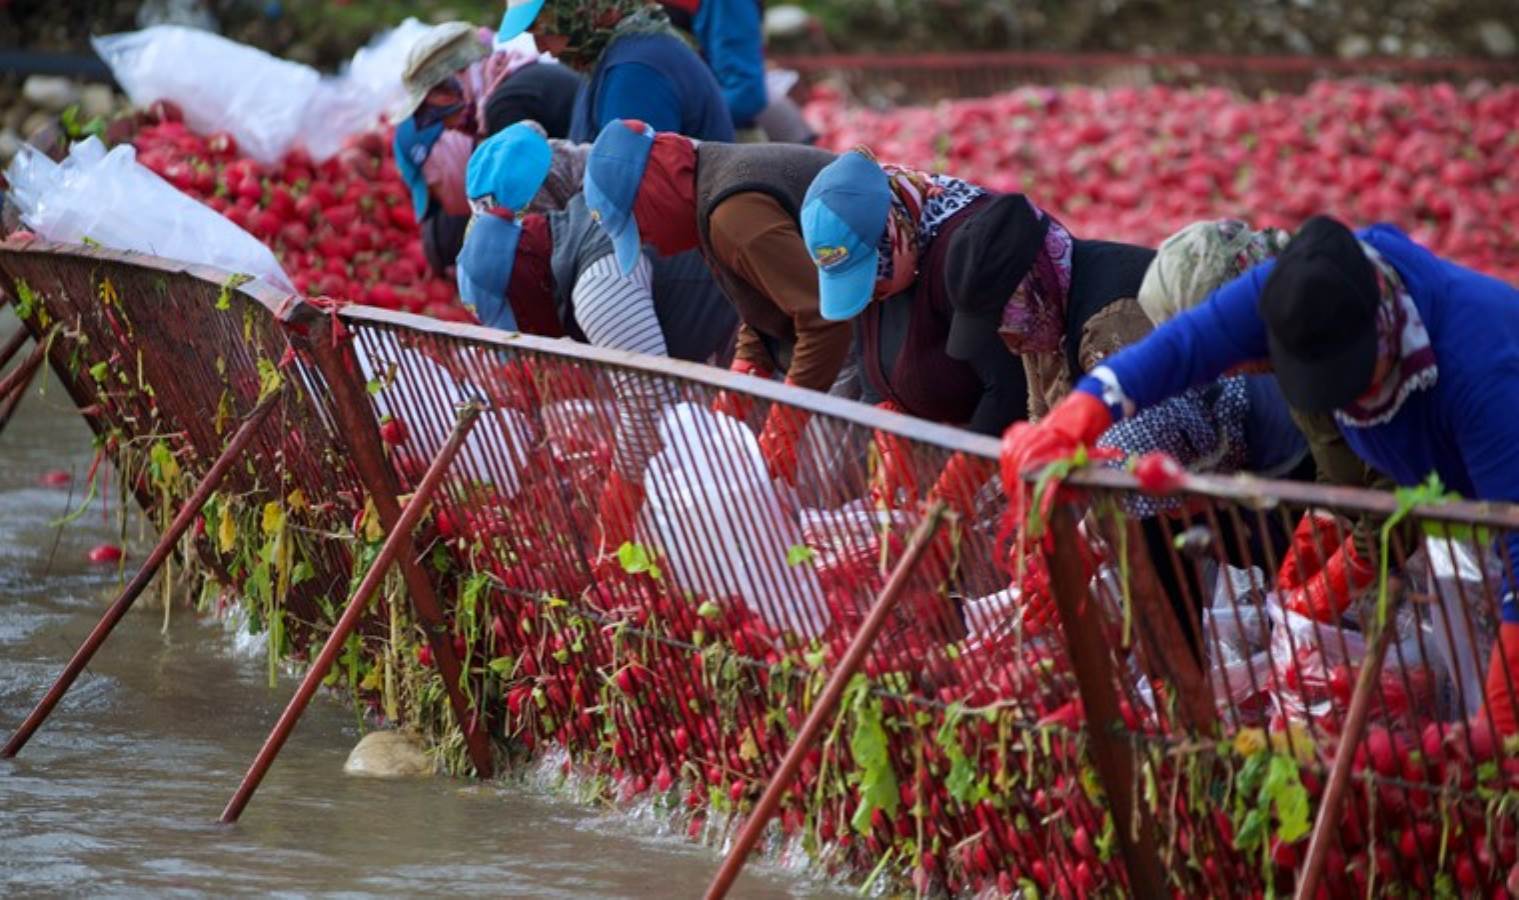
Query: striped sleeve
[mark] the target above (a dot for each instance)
(618, 313)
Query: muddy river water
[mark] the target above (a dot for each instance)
(119, 792)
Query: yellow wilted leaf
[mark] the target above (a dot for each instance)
(274, 517)
(296, 501)
(226, 530)
(748, 751)
(108, 293)
(1300, 744)
(224, 412)
(371, 680)
(373, 530)
(1249, 741)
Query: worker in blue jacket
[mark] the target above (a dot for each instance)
(1417, 358)
(730, 36)
(638, 67)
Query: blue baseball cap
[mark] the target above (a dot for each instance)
(843, 218)
(412, 148)
(508, 168)
(518, 16)
(484, 269)
(613, 172)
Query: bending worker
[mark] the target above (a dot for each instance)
(636, 65)
(556, 275)
(1415, 356)
(739, 204)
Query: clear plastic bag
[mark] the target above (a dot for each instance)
(1453, 574)
(715, 514)
(268, 104)
(110, 199)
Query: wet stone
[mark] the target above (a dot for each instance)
(388, 754)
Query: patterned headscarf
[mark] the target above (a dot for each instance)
(1033, 321)
(578, 32)
(1401, 337)
(1199, 259)
(921, 202)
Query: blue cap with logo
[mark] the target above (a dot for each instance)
(508, 168)
(843, 217)
(518, 16)
(613, 172)
(412, 148)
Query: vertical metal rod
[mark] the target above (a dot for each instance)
(1324, 827)
(352, 409)
(399, 538)
(123, 602)
(1091, 660)
(13, 345)
(823, 709)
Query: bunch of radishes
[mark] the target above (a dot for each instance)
(1135, 164)
(343, 228)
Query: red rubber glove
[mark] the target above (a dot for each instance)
(960, 482)
(1325, 595)
(1076, 421)
(895, 472)
(1316, 537)
(617, 513)
(734, 404)
(1500, 699)
(782, 432)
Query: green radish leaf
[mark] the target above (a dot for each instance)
(797, 554)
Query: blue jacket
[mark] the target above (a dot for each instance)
(732, 41)
(1463, 428)
(655, 78)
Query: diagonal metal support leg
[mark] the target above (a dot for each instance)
(822, 711)
(398, 539)
(353, 411)
(123, 602)
(15, 385)
(13, 345)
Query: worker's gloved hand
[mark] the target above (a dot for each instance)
(1315, 539)
(1076, 421)
(617, 513)
(734, 404)
(894, 471)
(1501, 702)
(779, 439)
(1325, 596)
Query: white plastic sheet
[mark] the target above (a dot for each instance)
(1453, 573)
(496, 449)
(110, 199)
(715, 515)
(269, 105)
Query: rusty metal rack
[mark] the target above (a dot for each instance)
(1160, 735)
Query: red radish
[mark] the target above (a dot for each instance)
(55, 478)
(1158, 473)
(103, 554)
(393, 431)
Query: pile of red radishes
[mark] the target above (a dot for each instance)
(343, 228)
(1135, 164)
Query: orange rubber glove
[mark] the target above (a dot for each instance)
(1315, 539)
(782, 432)
(1076, 421)
(617, 513)
(735, 404)
(1325, 595)
(1501, 701)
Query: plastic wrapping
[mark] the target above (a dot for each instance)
(110, 199)
(714, 513)
(501, 435)
(269, 105)
(1452, 574)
